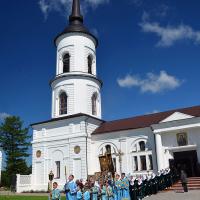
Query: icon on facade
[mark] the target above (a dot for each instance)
(182, 139)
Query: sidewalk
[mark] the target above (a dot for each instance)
(9, 193)
(191, 195)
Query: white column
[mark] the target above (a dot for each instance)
(159, 151)
(0, 164)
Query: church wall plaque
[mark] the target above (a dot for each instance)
(77, 149)
(38, 154)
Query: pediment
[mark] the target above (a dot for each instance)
(177, 116)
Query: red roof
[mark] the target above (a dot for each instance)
(143, 121)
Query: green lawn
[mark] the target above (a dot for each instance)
(24, 198)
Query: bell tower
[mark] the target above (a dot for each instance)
(76, 88)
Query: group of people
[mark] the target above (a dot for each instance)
(117, 188)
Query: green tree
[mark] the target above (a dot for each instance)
(15, 141)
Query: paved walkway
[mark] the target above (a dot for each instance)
(191, 195)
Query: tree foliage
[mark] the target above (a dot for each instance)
(14, 140)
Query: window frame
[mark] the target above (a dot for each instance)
(146, 153)
(63, 104)
(89, 64)
(57, 169)
(94, 104)
(66, 63)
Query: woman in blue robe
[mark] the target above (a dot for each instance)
(109, 192)
(125, 187)
(103, 192)
(86, 195)
(117, 188)
(94, 191)
(79, 194)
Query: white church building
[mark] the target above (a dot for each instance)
(76, 140)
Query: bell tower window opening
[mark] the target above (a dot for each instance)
(63, 103)
(89, 64)
(94, 104)
(66, 63)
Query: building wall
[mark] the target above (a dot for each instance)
(57, 142)
(79, 46)
(79, 91)
(169, 139)
(124, 141)
(78, 84)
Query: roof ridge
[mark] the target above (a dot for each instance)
(150, 114)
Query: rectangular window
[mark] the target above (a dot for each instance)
(57, 169)
(135, 163)
(150, 162)
(143, 163)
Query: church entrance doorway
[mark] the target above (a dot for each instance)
(187, 161)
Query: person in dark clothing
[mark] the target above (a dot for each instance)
(184, 181)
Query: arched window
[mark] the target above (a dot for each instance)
(63, 103)
(108, 149)
(90, 64)
(141, 156)
(94, 104)
(142, 145)
(66, 63)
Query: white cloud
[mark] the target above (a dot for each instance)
(64, 6)
(96, 2)
(153, 112)
(128, 81)
(170, 34)
(153, 83)
(3, 116)
(61, 6)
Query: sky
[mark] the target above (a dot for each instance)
(148, 55)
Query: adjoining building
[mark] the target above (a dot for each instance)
(77, 141)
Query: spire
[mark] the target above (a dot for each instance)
(76, 23)
(76, 17)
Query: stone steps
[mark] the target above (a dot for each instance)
(193, 184)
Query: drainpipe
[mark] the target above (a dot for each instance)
(86, 139)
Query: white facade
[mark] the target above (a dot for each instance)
(57, 141)
(166, 138)
(125, 145)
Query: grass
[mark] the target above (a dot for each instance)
(25, 198)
